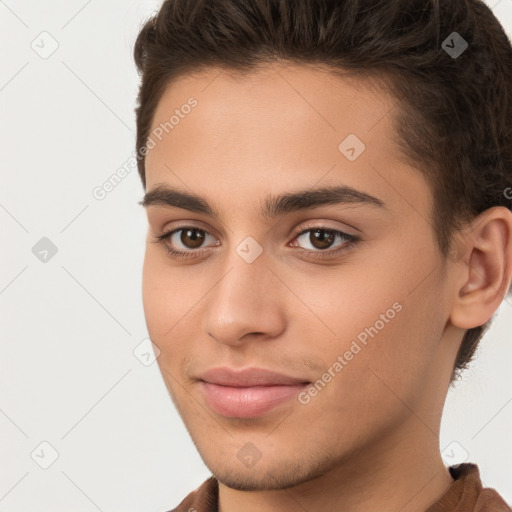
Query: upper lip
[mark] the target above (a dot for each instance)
(224, 376)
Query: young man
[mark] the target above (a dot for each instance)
(328, 190)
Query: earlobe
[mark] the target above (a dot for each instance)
(486, 271)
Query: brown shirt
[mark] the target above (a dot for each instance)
(466, 494)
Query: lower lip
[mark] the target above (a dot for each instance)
(248, 402)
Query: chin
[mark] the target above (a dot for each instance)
(282, 475)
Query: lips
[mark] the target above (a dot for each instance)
(248, 377)
(247, 393)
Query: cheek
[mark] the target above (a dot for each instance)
(152, 292)
(374, 378)
(344, 301)
(386, 334)
(161, 310)
(171, 298)
(167, 292)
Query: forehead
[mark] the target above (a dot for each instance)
(306, 100)
(284, 124)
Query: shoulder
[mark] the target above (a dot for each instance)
(466, 494)
(202, 499)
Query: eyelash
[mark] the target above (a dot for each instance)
(352, 240)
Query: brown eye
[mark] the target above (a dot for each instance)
(321, 238)
(323, 242)
(192, 237)
(186, 242)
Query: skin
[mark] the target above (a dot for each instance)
(369, 440)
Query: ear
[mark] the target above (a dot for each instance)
(484, 272)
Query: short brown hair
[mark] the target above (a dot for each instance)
(455, 112)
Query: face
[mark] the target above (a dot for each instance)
(342, 292)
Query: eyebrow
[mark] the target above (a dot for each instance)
(273, 206)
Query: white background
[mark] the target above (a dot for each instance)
(70, 325)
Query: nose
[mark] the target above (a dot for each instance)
(245, 303)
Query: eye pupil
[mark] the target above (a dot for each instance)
(195, 235)
(317, 237)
